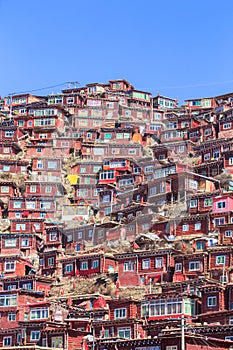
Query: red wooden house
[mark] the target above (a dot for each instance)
(190, 266)
(141, 267)
(220, 263)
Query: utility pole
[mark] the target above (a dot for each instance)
(182, 327)
(182, 333)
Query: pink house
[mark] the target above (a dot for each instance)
(222, 204)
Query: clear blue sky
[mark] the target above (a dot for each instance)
(179, 48)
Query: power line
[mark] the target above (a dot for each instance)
(43, 88)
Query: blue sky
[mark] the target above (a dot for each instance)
(179, 48)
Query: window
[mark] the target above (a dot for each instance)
(171, 347)
(178, 267)
(158, 263)
(208, 202)
(216, 154)
(123, 333)
(27, 286)
(211, 301)
(10, 243)
(52, 165)
(221, 205)
(193, 184)
(228, 233)
(80, 235)
(48, 189)
(39, 313)
(9, 266)
(231, 320)
(6, 168)
(95, 264)
(69, 268)
(84, 265)
(52, 236)
(30, 205)
(128, 266)
(107, 175)
(90, 233)
(226, 126)
(132, 151)
(57, 342)
(223, 279)
(32, 188)
(51, 261)
(45, 205)
(219, 221)
(9, 133)
(83, 170)
(35, 335)
(194, 266)
(193, 203)
(7, 341)
(206, 156)
(200, 245)
(197, 226)
(229, 337)
(120, 313)
(220, 260)
(5, 189)
(70, 100)
(17, 205)
(145, 226)
(20, 227)
(8, 300)
(6, 150)
(230, 161)
(20, 122)
(207, 132)
(146, 264)
(12, 316)
(185, 227)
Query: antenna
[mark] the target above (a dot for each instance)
(72, 84)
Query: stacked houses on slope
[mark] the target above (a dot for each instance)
(116, 220)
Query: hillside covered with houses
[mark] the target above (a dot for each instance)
(116, 220)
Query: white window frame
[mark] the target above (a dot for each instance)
(51, 261)
(11, 316)
(128, 266)
(197, 226)
(10, 266)
(194, 265)
(5, 189)
(120, 313)
(145, 264)
(126, 329)
(7, 341)
(158, 263)
(69, 268)
(212, 301)
(221, 205)
(84, 265)
(228, 233)
(220, 260)
(193, 203)
(35, 335)
(95, 264)
(178, 267)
